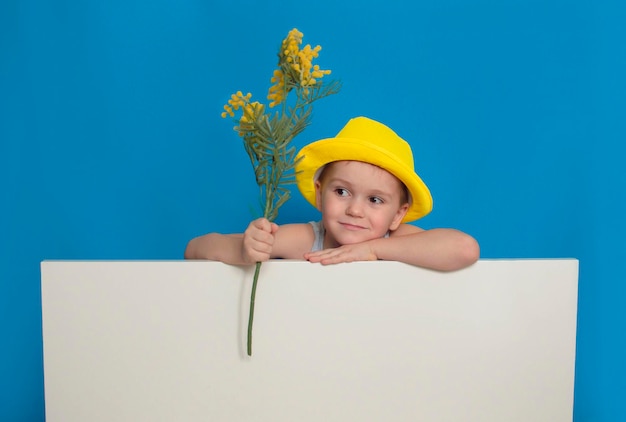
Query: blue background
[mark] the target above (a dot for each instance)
(112, 145)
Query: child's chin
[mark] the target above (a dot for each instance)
(353, 239)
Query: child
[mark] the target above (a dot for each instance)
(363, 183)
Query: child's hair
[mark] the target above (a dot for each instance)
(368, 141)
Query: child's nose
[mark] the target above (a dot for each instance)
(355, 208)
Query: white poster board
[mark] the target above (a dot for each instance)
(369, 341)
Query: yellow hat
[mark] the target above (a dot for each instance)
(369, 141)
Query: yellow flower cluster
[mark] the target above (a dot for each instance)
(296, 68)
(236, 101)
(251, 110)
(278, 91)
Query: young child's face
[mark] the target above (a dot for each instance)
(359, 202)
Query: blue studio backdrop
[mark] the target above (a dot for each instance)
(112, 145)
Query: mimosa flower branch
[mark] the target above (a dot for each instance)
(297, 84)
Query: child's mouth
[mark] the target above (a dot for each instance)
(352, 227)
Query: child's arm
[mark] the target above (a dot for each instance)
(438, 249)
(255, 244)
(261, 241)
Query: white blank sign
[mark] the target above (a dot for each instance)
(368, 341)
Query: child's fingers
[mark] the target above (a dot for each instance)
(320, 256)
(265, 225)
(261, 224)
(255, 251)
(258, 240)
(346, 253)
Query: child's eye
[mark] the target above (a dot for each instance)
(341, 191)
(376, 200)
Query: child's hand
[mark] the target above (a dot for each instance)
(345, 253)
(258, 241)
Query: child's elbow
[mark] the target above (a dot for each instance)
(468, 251)
(189, 250)
(208, 246)
(193, 250)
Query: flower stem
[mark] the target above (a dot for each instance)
(251, 315)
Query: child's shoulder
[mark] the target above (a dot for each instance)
(404, 229)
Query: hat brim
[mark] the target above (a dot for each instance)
(317, 154)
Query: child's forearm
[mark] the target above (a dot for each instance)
(216, 247)
(438, 249)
